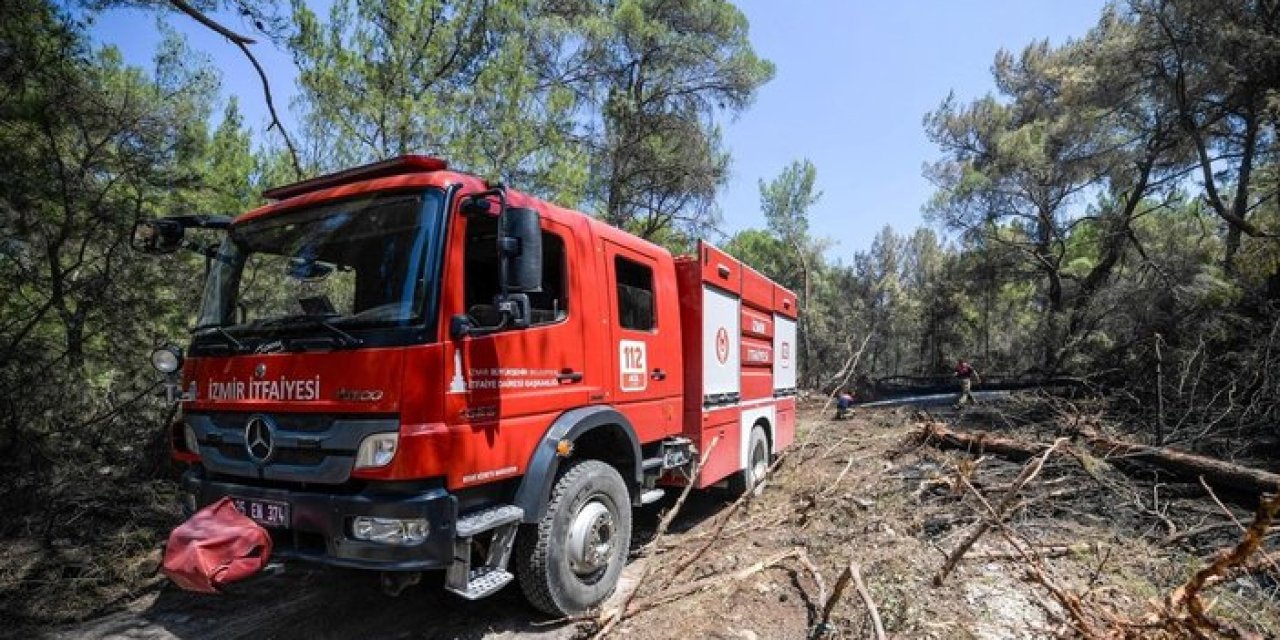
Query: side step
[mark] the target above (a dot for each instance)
(474, 583)
(484, 582)
(487, 520)
(651, 496)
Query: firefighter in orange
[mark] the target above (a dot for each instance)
(968, 377)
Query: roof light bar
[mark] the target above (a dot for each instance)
(386, 168)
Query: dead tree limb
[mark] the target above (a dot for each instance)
(846, 372)
(613, 617)
(687, 561)
(805, 560)
(851, 574)
(271, 108)
(1188, 595)
(999, 513)
(243, 42)
(978, 442)
(1034, 563)
(670, 595)
(210, 23)
(841, 583)
(1187, 465)
(876, 624)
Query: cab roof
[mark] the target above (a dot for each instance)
(386, 168)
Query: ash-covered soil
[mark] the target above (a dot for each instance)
(865, 491)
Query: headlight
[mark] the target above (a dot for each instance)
(189, 439)
(389, 530)
(377, 450)
(167, 359)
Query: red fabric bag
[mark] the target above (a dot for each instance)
(218, 545)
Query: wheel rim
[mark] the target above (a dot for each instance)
(591, 538)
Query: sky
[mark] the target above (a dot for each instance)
(853, 83)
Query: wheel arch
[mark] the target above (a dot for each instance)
(766, 418)
(597, 433)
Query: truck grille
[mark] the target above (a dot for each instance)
(305, 448)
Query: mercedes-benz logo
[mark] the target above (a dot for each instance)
(259, 438)
(260, 370)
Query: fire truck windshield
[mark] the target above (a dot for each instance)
(358, 263)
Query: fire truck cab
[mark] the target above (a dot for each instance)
(404, 368)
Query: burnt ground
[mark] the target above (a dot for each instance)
(865, 490)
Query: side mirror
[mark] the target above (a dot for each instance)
(520, 245)
(158, 236)
(478, 205)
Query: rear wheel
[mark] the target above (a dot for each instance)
(757, 464)
(570, 561)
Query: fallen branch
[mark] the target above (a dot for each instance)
(1188, 595)
(832, 487)
(687, 561)
(1035, 564)
(846, 372)
(851, 574)
(998, 514)
(866, 599)
(1187, 465)
(670, 595)
(614, 616)
(813, 571)
(978, 442)
(1052, 551)
(841, 582)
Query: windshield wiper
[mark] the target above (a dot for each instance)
(231, 341)
(347, 338)
(344, 339)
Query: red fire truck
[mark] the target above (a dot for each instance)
(404, 368)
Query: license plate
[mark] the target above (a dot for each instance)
(264, 512)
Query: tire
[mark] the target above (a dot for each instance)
(757, 464)
(589, 505)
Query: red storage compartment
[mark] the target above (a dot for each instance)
(784, 302)
(757, 290)
(720, 269)
(785, 431)
(756, 353)
(724, 458)
(757, 384)
(756, 323)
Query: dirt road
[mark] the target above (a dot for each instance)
(862, 491)
(317, 602)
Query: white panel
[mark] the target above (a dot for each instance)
(721, 342)
(749, 417)
(785, 350)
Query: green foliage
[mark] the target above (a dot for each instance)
(463, 80)
(100, 145)
(656, 76)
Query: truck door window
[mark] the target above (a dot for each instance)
(481, 275)
(635, 295)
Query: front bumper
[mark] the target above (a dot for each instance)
(320, 523)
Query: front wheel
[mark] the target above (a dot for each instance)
(570, 561)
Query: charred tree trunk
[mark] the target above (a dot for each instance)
(1187, 465)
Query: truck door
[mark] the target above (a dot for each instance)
(644, 326)
(507, 386)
